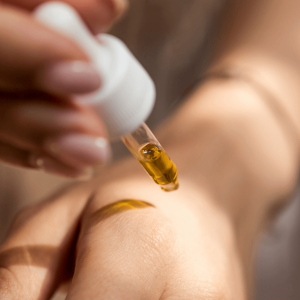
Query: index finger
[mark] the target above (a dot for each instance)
(34, 258)
(98, 14)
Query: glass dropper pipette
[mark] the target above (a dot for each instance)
(147, 150)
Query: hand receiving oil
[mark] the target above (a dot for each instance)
(40, 126)
(129, 240)
(155, 246)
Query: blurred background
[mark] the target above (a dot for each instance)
(174, 40)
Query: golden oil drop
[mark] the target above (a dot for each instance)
(159, 166)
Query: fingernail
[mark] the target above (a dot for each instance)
(120, 7)
(50, 165)
(112, 10)
(80, 150)
(69, 77)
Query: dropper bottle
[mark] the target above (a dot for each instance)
(127, 95)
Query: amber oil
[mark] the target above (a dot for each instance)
(159, 166)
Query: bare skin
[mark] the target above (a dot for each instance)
(196, 243)
(238, 163)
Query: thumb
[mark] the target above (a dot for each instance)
(33, 56)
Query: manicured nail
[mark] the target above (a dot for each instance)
(50, 165)
(120, 7)
(79, 150)
(111, 10)
(69, 77)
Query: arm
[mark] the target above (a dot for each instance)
(196, 242)
(253, 113)
(260, 39)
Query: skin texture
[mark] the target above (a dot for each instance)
(23, 133)
(237, 157)
(195, 243)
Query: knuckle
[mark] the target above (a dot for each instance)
(146, 232)
(154, 241)
(156, 237)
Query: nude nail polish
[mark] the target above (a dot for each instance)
(80, 150)
(69, 77)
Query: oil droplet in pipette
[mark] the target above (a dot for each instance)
(159, 166)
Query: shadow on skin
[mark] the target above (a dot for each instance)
(38, 255)
(117, 208)
(43, 255)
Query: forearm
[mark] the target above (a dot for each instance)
(226, 142)
(260, 40)
(237, 138)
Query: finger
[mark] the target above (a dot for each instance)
(14, 156)
(33, 56)
(98, 14)
(34, 257)
(123, 253)
(49, 164)
(132, 250)
(66, 131)
(20, 158)
(28, 121)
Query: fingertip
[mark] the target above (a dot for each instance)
(100, 15)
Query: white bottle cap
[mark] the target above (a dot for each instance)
(127, 95)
